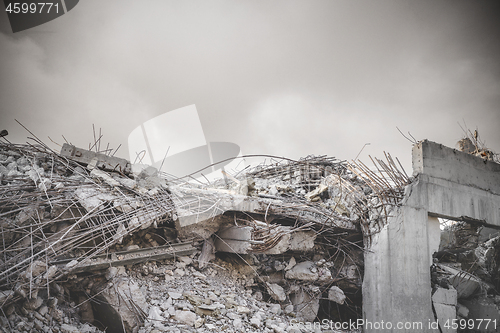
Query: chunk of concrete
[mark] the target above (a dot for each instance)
(276, 292)
(5, 295)
(445, 315)
(445, 296)
(185, 316)
(306, 305)
(305, 271)
(236, 233)
(234, 239)
(290, 264)
(335, 294)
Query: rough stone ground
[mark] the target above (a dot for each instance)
(222, 297)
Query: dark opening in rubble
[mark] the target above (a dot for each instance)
(106, 317)
(350, 310)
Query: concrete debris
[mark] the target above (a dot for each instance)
(444, 302)
(305, 271)
(472, 144)
(336, 295)
(445, 296)
(465, 284)
(306, 304)
(167, 255)
(102, 161)
(465, 276)
(445, 314)
(276, 292)
(484, 308)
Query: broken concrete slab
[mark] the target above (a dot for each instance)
(445, 315)
(105, 162)
(239, 239)
(306, 271)
(465, 284)
(445, 296)
(276, 292)
(123, 258)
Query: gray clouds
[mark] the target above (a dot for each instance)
(282, 77)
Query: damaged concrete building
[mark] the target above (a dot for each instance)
(288, 246)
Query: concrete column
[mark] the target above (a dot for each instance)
(397, 283)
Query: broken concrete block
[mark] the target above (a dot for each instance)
(445, 315)
(305, 270)
(155, 317)
(45, 184)
(466, 286)
(99, 174)
(291, 264)
(91, 198)
(293, 241)
(276, 292)
(306, 305)
(185, 316)
(335, 294)
(236, 233)
(234, 239)
(325, 275)
(207, 253)
(315, 194)
(105, 162)
(445, 296)
(33, 303)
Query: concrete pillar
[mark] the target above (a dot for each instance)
(397, 282)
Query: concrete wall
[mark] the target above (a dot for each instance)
(397, 286)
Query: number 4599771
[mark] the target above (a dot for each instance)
(40, 7)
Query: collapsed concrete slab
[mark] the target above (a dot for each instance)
(242, 239)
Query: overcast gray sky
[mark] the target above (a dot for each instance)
(289, 78)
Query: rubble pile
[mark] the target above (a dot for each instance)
(466, 271)
(472, 144)
(90, 247)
